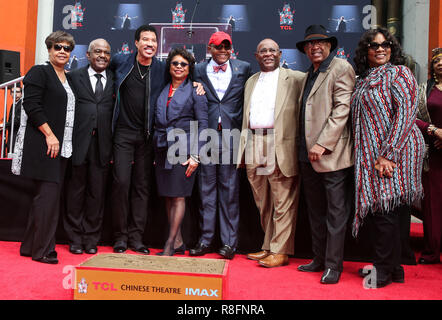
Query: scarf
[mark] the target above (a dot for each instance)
(384, 108)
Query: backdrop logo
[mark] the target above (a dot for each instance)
(342, 54)
(286, 17)
(178, 15)
(75, 16)
(125, 49)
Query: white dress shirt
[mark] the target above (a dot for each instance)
(262, 105)
(93, 78)
(220, 80)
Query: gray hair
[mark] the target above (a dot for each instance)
(93, 42)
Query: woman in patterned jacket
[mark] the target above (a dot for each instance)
(389, 148)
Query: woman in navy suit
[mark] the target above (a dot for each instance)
(180, 116)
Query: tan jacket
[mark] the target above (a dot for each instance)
(285, 121)
(327, 121)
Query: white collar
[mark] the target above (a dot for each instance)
(270, 74)
(214, 63)
(92, 72)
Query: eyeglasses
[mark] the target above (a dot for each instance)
(375, 46)
(176, 64)
(265, 50)
(221, 46)
(99, 51)
(58, 47)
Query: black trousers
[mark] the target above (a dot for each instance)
(39, 237)
(386, 239)
(85, 199)
(131, 186)
(328, 201)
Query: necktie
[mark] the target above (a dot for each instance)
(98, 86)
(221, 67)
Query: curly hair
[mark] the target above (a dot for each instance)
(186, 55)
(361, 52)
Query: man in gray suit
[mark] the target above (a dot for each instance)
(223, 80)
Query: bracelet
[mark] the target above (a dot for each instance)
(195, 158)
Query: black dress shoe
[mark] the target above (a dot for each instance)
(227, 252)
(330, 276)
(120, 247)
(141, 249)
(311, 267)
(91, 250)
(163, 253)
(181, 249)
(380, 283)
(51, 258)
(75, 249)
(397, 275)
(200, 250)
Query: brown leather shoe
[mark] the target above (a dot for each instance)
(274, 260)
(258, 255)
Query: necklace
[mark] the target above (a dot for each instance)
(141, 75)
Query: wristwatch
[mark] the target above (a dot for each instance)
(431, 130)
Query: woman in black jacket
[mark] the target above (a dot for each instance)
(44, 144)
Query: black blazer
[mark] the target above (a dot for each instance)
(88, 109)
(45, 101)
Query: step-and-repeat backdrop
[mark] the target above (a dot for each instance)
(189, 23)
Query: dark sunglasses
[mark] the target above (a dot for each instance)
(176, 64)
(221, 46)
(384, 45)
(58, 47)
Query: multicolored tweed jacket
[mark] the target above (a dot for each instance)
(384, 108)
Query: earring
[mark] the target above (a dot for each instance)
(435, 77)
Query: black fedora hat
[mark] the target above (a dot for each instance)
(316, 32)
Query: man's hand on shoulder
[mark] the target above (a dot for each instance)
(199, 88)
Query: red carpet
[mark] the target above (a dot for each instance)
(23, 279)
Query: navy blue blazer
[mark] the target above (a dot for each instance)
(230, 108)
(184, 107)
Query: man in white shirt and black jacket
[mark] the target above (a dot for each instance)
(93, 87)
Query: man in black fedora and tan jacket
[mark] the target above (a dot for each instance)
(325, 151)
